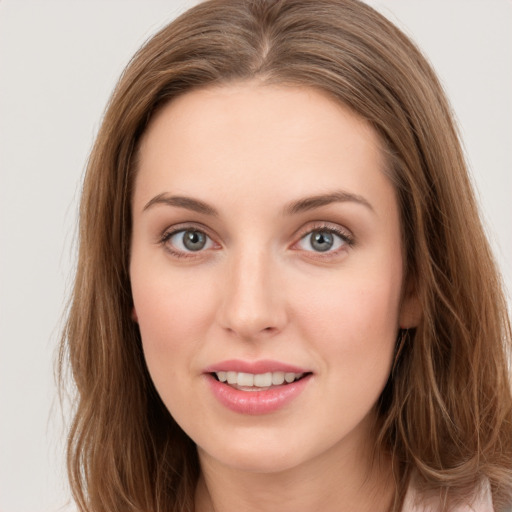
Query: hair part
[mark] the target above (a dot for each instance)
(446, 412)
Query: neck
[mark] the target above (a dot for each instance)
(338, 481)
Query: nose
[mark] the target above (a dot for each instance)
(252, 296)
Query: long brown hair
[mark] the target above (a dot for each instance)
(446, 412)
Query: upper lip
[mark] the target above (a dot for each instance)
(254, 367)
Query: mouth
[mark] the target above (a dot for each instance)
(255, 382)
(257, 387)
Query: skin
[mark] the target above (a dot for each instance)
(260, 290)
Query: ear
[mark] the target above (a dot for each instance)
(135, 318)
(410, 309)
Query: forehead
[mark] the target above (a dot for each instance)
(262, 108)
(277, 140)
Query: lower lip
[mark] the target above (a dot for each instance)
(256, 402)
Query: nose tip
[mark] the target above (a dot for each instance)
(247, 322)
(252, 305)
(249, 334)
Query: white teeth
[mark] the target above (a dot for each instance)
(289, 377)
(245, 379)
(277, 378)
(263, 380)
(260, 380)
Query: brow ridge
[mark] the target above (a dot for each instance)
(188, 203)
(293, 208)
(310, 203)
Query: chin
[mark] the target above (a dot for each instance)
(257, 456)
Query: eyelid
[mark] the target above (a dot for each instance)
(170, 231)
(344, 233)
(184, 226)
(338, 230)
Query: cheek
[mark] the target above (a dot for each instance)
(353, 306)
(354, 323)
(169, 307)
(174, 313)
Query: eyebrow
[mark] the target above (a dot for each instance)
(293, 208)
(188, 203)
(310, 203)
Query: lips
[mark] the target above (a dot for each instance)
(258, 380)
(256, 387)
(254, 367)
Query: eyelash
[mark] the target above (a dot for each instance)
(344, 235)
(167, 235)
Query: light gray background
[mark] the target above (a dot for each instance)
(59, 61)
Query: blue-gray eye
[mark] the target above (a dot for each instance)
(321, 240)
(190, 240)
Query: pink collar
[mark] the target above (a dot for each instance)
(482, 501)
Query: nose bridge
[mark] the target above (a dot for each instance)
(251, 301)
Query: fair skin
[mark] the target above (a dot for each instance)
(231, 260)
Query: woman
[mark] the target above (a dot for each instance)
(284, 297)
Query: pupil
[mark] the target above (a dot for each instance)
(322, 241)
(194, 240)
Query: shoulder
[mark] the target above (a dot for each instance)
(481, 502)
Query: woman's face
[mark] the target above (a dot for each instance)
(266, 248)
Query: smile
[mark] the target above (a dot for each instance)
(260, 387)
(256, 382)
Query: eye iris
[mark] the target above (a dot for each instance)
(194, 240)
(322, 240)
